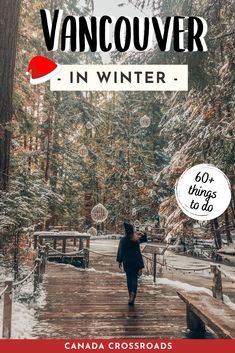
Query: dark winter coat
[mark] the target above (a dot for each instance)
(129, 254)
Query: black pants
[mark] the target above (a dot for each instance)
(132, 281)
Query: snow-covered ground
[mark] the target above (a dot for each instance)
(110, 247)
(24, 308)
(230, 250)
(178, 260)
(23, 320)
(189, 288)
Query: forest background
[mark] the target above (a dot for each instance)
(61, 153)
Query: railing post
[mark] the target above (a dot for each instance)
(86, 257)
(88, 242)
(40, 240)
(37, 274)
(7, 310)
(152, 235)
(88, 252)
(54, 243)
(47, 250)
(64, 246)
(39, 253)
(35, 241)
(217, 288)
(80, 243)
(154, 267)
(42, 265)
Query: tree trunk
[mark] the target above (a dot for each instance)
(55, 147)
(232, 204)
(217, 235)
(16, 254)
(227, 229)
(9, 11)
(48, 147)
(88, 203)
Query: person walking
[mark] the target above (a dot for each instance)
(130, 257)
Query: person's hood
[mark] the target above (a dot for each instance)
(129, 229)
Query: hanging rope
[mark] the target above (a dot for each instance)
(42, 246)
(25, 279)
(226, 274)
(149, 267)
(99, 253)
(4, 290)
(146, 257)
(206, 256)
(16, 284)
(151, 260)
(64, 254)
(188, 269)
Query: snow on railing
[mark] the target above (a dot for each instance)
(2, 292)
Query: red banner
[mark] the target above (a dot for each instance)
(110, 346)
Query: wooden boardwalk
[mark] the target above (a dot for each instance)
(93, 304)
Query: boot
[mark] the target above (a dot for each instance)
(132, 298)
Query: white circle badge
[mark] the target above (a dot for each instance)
(203, 192)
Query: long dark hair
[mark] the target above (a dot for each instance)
(129, 230)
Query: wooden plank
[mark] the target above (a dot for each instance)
(213, 313)
(80, 243)
(94, 304)
(68, 234)
(35, 241)
(64, 245)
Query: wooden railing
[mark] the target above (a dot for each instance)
(7, 309)
(39, 267)
(40, 264)
(54, 238)
(9, 286)
(217, 287)
(64, 236)
(216, 270)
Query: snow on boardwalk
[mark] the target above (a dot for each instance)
(93, 304)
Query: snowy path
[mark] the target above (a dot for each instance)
(83, 304)
(93, 303)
